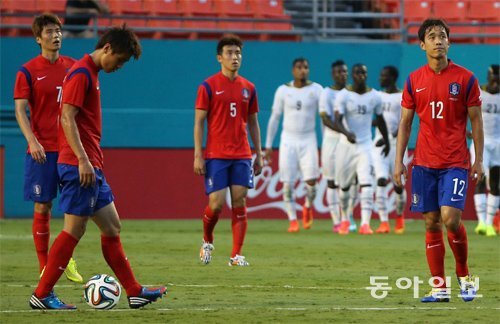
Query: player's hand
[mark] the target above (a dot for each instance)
(199, 166)
(268, 155)
(351, 138)
(399, 171)
(386, 149)
(37, 152)
(87, 173)
(477, 172)
(257, 164)
(380, 143)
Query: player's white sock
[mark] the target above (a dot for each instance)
(381, 199)
(310, 195)
(354, 195)
(400, 202)
(289, 201)
(491, 208)
(332, 198)
(480, 204)
(366, 205)
(344, 204)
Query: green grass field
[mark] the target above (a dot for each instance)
(309, 276)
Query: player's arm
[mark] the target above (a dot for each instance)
(476, 121)
(254, 130)
(36, 149)
(70, 128)
(382, 127)
(200, 116)
(339, 127)
(272, 125)
(404, 132)
(326, 120)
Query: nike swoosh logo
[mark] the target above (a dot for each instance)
(219, 92)
(421, 89)
(41, 78)
(455, 241)
(62, 269)
(431, 246)
(240, 216)
(453, 199)
(39, 233)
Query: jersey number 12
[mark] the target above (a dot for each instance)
(437, 109)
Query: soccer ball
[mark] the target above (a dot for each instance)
(102, 292)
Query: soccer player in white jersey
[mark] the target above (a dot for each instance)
(487, 205)
(331, 138)
(357, 104)
(384, 165)
(298, 101)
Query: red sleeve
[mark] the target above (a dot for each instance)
(22, 87)
(473, 95)
(253, 106)
(407, 99)
(203, 96)
(75, 89)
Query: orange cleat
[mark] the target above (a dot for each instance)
(344, 228)
(383, 228)
(400, 225)
(496, 221)
(294, 227)
(307, 217)
(365, 230)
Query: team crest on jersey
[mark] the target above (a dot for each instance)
(415, 199)
(37, 190)
(454, 89)
(245, 93)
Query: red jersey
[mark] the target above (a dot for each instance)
(81, 89)
(441, 101)
(40, 82)
(229, 103)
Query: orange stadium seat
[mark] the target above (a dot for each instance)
(233, 9)
(272, 9)
(450, 10)
(54, 6)
(487, 10)
(162, 7)
(491, 30)
(201, 9)
(417, 10)
(19, 7)
(130, 8)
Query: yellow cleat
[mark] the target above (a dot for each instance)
(490, 231)
(72, 273)
(480, 228)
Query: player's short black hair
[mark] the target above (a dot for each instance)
(358, 65)
(430, 23)
(122, 40)
(338, 63)
(43, 20)
(494, 68)
(299, 60)
(392, 71)
(228, 39)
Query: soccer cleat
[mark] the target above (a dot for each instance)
(365, 230)
(307, 217)
(147, 296)
(480, 228)
(383, 228)
(238, 260)
(352, 224)
(437, 295)
(336, 228)
(206, 252)
(490, 231)
(294, 226)
(49, 302)
(468, 288)
(71, 272)
(344, 228)
(400, 225)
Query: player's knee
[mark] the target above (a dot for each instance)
(43, 207)
(216, 207)
(287, 192)
(76, 230)
(382, 182)
(239, 202)
(331, 184)
(433, 222)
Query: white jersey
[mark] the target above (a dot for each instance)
(358, 110)
(391, 107)
(326, 105)
(491, 116)
(299, 107)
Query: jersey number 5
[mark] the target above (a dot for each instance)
(437, 109)
(232, 109)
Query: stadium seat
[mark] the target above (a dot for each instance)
(469, 32)
(491, 30)
(486, 10)
(55, 6)
(417, 10)
(23, 8)
(273, 10)
(159, 8)
(233, 9)
(162, 7)
(267, 8)
(450, 10)
(199, 9)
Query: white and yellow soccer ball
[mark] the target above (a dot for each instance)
(102, 292)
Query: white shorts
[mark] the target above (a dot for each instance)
(354, 160)
(328, 153)
(384, 165)
(298, 156)
(491, 155)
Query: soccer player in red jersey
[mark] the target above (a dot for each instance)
(39, 86)
(84, 190)
(228, 102)
(443, 94)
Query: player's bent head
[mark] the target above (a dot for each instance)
(122, 40)
(43, 20)
(228, 39)
(429, 24)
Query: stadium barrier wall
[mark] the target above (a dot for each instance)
(148, 105)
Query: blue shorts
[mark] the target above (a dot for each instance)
(75, 199)
(41, 180)
(223, 173)
(433, 188)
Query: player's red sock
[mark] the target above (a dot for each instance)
(115, 257)
(434, 250)
(41, 237)
(239, 225)
(459, 246)
(59, 255)
(210, 219)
